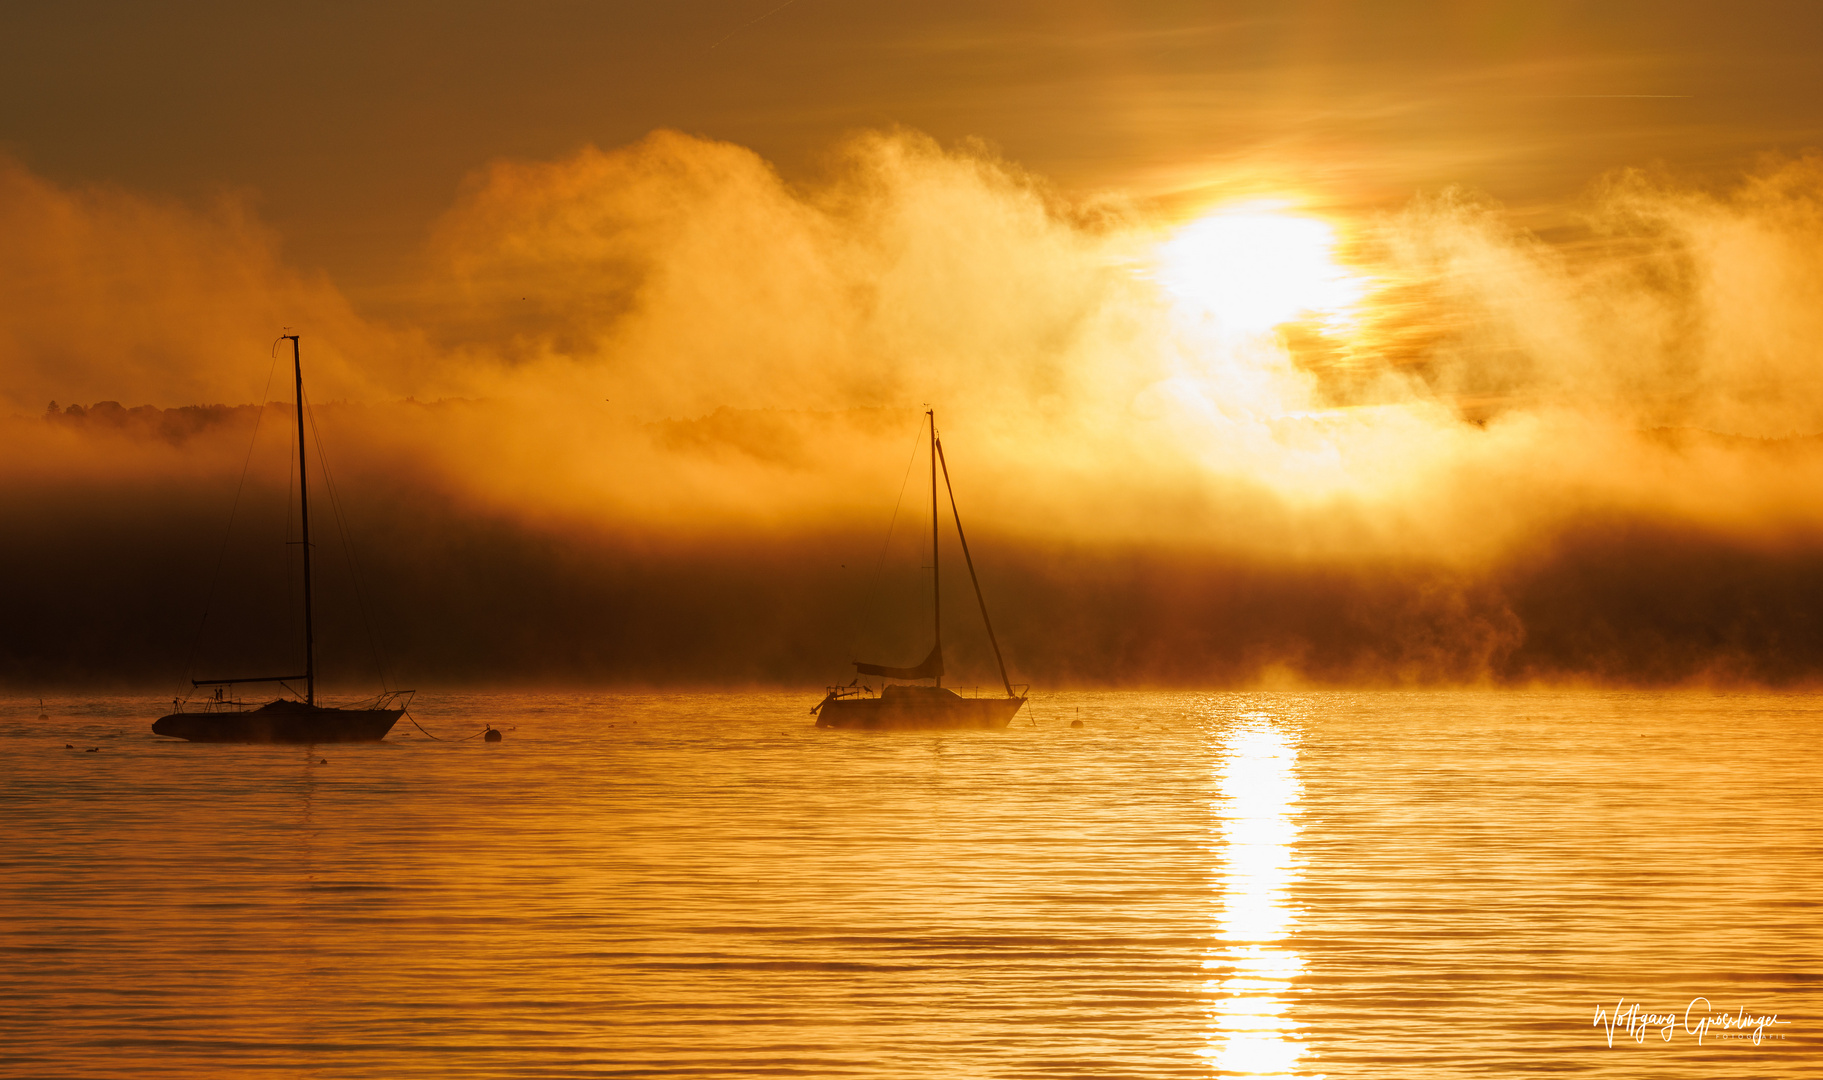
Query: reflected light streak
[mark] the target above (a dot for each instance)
(1254, 843)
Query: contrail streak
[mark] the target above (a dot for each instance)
(750, 22)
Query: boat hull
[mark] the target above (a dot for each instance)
(918, 709)
(280, 722)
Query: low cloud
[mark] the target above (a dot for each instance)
(661, 403)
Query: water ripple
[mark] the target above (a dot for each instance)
(1193, 884)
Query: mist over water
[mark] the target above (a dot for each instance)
(644, 409)
(1254, 884)
(127, 575)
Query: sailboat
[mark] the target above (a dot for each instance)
(222, 718)
(904, 707)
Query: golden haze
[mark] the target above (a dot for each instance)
(1430, 447)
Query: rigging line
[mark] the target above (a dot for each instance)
(989, 623)
(228, 533)
(873, 587)
(354, 571)
(354, 567)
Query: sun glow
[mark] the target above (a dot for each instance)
(1253, 266)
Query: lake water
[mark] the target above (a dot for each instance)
(1191, 884)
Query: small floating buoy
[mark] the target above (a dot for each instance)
(1076, 723)
(491, 736)
(323, 761)
(43, 717)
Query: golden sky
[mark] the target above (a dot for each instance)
(1389, 344)
(352, 127)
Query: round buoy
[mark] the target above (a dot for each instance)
(42, 717)
(491, 736)
(323, 761)
(1076, 723)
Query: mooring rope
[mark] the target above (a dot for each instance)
(428, 735)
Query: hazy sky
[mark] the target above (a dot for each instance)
(1474, 403)
(352, 125)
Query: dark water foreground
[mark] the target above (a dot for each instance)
(1262, 884)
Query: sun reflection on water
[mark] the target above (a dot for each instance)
(1255, 829)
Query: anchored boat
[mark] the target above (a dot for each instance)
(924, 707)
(223, 718)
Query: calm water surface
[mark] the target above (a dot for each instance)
(1259, 884)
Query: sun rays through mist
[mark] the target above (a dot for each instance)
(666, 346)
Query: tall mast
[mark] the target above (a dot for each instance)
(936, 583)
(297, 367)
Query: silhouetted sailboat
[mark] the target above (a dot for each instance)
(221, 718)
(924, 707)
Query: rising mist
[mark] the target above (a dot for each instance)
(644, 415)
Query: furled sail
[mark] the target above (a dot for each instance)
(931, 668)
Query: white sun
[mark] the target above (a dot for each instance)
(1253, 266)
